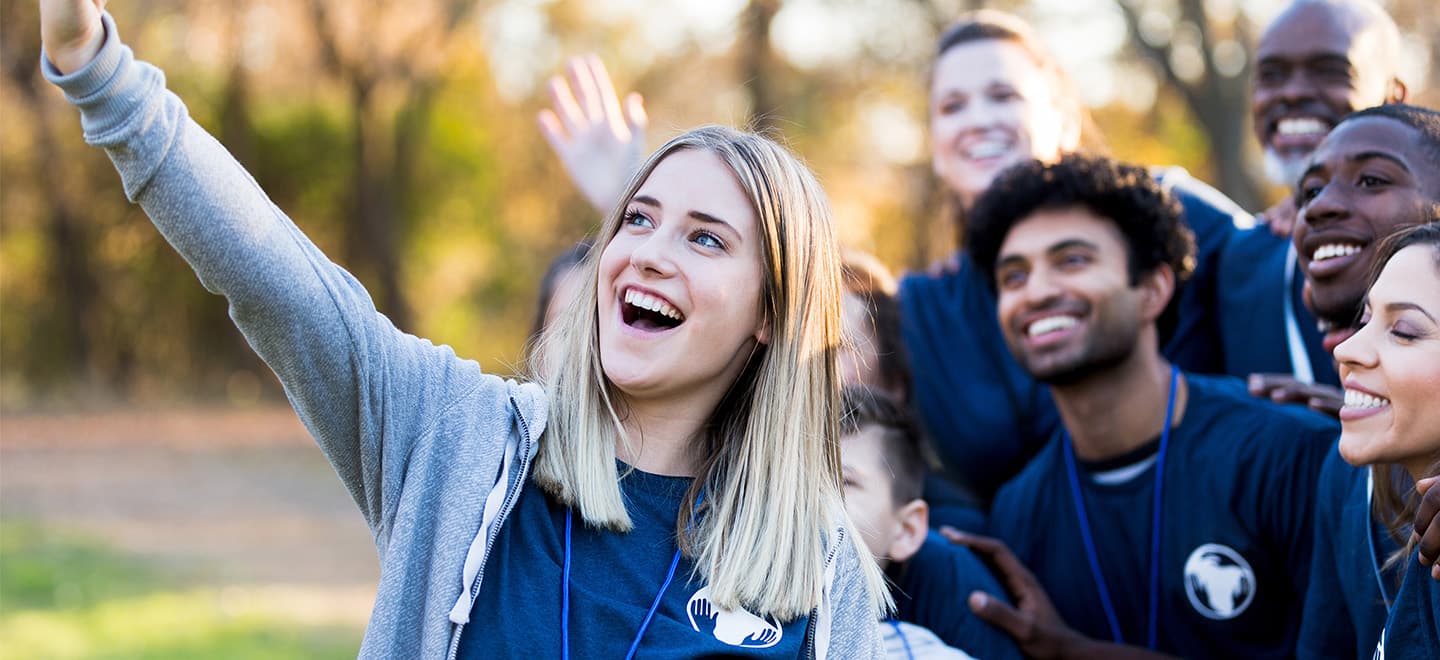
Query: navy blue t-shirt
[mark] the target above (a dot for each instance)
(613, 580)
(984, 413)
(1235, 528)
(952, 506)
(1195, 343)
(1413, 629)
(1252, 295)
(930, 590)
(1344, 607)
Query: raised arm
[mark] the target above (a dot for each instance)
(365, 390)
(600, 142)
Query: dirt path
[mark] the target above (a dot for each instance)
(233, 498)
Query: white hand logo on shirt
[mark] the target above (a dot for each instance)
(1218, 581)
(733, 627)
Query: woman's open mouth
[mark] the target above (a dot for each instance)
(643, 311)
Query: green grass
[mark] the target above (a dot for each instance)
(68, 597)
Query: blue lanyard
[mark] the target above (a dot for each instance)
(901, 634)
(1089, 539)
(565, 593)
(1370, 538)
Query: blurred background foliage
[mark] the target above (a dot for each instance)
(401, 137)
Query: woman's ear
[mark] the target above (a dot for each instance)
(762, 333)
(913, 523)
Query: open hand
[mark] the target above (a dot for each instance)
(71, 32)
(600, 144)
(1033, 622)
(1280, 218)
(1284, 388)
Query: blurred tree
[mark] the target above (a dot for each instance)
(68, 244)
(1205, 59)
(370, 46)
(401, 137)
(757, 62)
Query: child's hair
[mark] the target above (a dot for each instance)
(867, 279)
(564, 262)
(770, 467)
(1395, 499)
(904, 448)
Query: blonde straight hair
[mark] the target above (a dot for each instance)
(770, 468)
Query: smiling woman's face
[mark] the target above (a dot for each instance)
(1391, 367)
(681, 282)
(992, 105)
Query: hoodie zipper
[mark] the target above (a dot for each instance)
(499, 520)
(815, 613)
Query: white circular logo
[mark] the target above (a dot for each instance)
(1218, 581)
(733, 627)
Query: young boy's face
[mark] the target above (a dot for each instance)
(869, 494)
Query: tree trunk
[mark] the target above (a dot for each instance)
(756, 63)
(371, 244)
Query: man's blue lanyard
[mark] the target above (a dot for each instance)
(565, 593)
(1089, 539)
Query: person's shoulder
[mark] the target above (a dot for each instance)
(1023, 491)
(532, 403)
(956, 276)
(939, 559)
(1199, 197)
(1226, 400)
(1255, 243)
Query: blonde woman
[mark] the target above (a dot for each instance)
(670, 487)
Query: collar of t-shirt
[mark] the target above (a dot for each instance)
(1123, 468)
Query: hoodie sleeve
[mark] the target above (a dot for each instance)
(847, 625)
(364, 389)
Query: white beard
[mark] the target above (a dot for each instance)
(1284, 170)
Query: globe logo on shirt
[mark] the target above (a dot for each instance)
(1219, 582)
(733, 627)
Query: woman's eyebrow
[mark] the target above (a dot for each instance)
(707, 218)
(1402, 306)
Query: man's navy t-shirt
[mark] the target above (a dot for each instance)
(1235, 528)
(983, 412)
(613, 580)
(1252, 302)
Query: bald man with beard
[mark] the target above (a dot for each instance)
(1317, 62)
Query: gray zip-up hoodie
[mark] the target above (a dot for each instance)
(432, 450)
